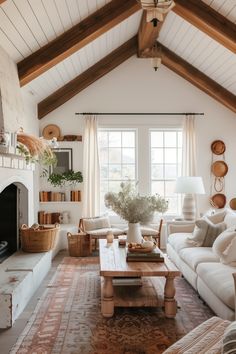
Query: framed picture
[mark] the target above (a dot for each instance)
(64, 160)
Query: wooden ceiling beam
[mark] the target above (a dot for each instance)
(147, 35)
(88, 77)
(197, 78)
(208, 21)
(75, 38)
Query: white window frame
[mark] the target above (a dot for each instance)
(123, 129)
(179, 198)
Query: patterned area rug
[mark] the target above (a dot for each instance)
(68, 319)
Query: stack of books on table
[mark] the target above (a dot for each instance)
(154, 256)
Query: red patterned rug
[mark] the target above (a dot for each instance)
(67, 319)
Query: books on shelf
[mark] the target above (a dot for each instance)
(48, 218)
(48, 196)
(154, 256)
(75, 196)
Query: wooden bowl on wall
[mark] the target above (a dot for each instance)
(232, 203)
(218, 200)
(218, 147)
(219, 168)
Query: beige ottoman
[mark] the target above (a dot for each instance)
(204, 339)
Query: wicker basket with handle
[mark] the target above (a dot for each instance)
(38, 239)
(79, 245)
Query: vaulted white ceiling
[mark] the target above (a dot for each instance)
(27, 25)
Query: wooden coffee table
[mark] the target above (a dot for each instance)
(150, 291)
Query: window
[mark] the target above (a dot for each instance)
(166, 159)
(117, 159)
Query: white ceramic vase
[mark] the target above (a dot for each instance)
(134, 233)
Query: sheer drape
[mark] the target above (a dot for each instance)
(91, 169)
(189, 161)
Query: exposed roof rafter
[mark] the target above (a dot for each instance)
(147, 34)
(209, 21)
(88, 77)
(75, 38)
(197, 78)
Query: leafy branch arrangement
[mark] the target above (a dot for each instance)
(58, 180)
(133, 207)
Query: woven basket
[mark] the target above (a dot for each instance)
(79, 245)
(40, 239)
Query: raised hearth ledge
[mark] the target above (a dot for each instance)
(22, 273)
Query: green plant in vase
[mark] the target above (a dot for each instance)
(56, 179)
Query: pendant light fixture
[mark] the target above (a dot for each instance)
(156, 56)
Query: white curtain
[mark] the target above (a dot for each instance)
(189, 161)
(91, 169)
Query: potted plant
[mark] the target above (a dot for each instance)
(134, 208)
(72, 178)
(56, 179)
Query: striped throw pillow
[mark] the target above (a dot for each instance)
(229, 339)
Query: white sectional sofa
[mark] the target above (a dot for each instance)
(201, 267)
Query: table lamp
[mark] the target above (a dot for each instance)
(189, 186)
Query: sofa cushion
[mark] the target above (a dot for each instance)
(195, 255)
(103, 232)
(225, 246)
(229, 339)
(179, 241)
(230, 219)
(219, 279)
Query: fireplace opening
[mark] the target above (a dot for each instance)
(9, 240)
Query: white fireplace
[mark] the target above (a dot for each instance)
(16, 207)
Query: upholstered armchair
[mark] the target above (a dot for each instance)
(98, 227)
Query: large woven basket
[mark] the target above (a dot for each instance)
(79, 245)
(40, 239)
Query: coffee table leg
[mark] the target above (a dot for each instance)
(107, 297)
(169, 297)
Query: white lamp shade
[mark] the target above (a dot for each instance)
(189, 185)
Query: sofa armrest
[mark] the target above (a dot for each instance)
(234, 275)
(173, 228)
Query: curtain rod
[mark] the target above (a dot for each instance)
(139, 114)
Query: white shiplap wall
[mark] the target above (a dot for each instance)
(80, 61)
(27, 25)
(226, 8)
(200, 50)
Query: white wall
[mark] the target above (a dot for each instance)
(135, 87)
(30, 124)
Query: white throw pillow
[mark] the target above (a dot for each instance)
(205, 232)
(218, 217)
(96, 223)
(230, 219)
(225, 246)
(199, 233)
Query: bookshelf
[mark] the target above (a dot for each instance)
(65, 203)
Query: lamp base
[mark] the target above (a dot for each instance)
(189, 208)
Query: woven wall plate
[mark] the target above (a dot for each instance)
(218, 147)
(232, 203)
(219, 168)
(51, 131)
(218, 200)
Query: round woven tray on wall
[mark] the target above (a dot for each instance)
(41, 239)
